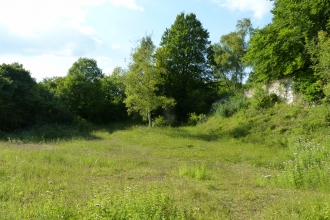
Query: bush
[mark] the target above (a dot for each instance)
(263, 100)
(82, 124)
(195, 119)
(160, 122)
(231, 106)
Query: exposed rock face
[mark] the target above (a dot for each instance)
(283, 88)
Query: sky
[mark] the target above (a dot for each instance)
(48, 36)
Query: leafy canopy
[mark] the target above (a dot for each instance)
(279, 49)
(142, 80)
(20, 100)
(82, 90)
(229, 53)
(186, 54)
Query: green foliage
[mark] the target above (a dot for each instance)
(194, 119)
(229, 53)
(279, 49)
(82, 125)
(309, 85)
(231, 106)
(326, 91)
(21, 100)
(196, 171)
(160, 122)
(186, 55)
(114, 89)
(319, 49)
(308, 167)
(273, 126)
(82, 91)
(142, 81)
(210, 171)
(55, 110)
(137, 205)
(263, 100)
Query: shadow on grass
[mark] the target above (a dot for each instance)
(237, 132)
(183, 133)
(58, 132)
(48, 133)
(117, 126)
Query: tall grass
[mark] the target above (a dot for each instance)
(309, 166)
(256, 164)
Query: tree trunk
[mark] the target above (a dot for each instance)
(149, 118)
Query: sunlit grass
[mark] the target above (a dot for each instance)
(135, 172)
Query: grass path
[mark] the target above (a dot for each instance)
(141, 173)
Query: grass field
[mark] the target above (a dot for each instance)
(133, 172)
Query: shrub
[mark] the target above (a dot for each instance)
(263, 100)
(194, 119)
(160, 122)
(231, 106)
(82, 124)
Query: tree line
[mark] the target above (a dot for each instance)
(185, 74)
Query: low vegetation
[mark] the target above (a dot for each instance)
(271, 163)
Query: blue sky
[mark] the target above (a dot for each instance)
(48, 36)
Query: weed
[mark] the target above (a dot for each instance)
(198, 172)
(309, 166)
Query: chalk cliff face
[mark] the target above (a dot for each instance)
(282, 88)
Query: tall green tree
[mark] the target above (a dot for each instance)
(319, 49)
(82, 89)
(229, 53)
(20, 100)
(142, 80)
(279, 49)
(114, 89)
(57, 110)
(186, 54)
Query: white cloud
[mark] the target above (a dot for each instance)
(43, 66)
(115, 46)
(105, 63)
(104, 60)
(259, 7)
(81, 28)
(63, 41)
(98, 42)
(128, 3)
(28, 16)
(107, 70)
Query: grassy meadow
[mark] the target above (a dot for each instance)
(254, 165)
